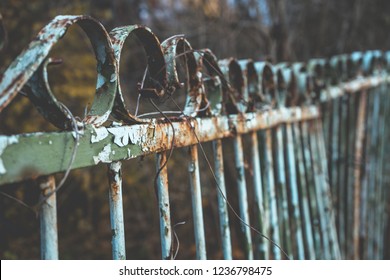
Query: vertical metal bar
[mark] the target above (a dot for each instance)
(382, 184)
(48, 219)
(222, 204)
(364, 192)
(304, 196)
(342, 175)
(351, 137)
(380, 200)
(334, 157)
(360, 128)
(281, 190)
(242, 196)
(269, 186)
(264, 176)
(311, 190)
(319, 179)
(262, 248)
(371, 179)
(326, 108)
(164, 206)
(116, 211)
(292, 183)
(196, 194)
(327, 197)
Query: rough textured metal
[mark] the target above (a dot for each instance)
(225, 98)
(326, 195)
(222, 198)
(261, 220)
(269, 186)
(28, 65)
(294, 196)
(197, 209)
(116, 211)
(48, 220)
(314, 209)
(156, 78)
(242, 196)
(357, 170)
(164, 206)
(303, 194)
(124, 142)
(281, 190)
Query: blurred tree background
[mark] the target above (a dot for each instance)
(278, 30)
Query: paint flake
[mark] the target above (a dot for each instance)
(100, 134)
(104, 155)
(5, 141)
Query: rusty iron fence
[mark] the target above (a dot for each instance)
(317, 135)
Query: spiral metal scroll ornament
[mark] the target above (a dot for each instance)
(214, 87)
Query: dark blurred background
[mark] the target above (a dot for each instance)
(277, 30)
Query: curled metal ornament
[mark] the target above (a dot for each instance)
(267, 84)
(227, 86)
(178, 47)
(304, 84)
(286, 84)
(155, 82)
(251, 94)
(30, 64)
(216, 86)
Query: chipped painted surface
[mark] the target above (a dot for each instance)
(224, 98)
(100, 134)
(104, 155)
(48, 219)
(116, 211)
(4, 143)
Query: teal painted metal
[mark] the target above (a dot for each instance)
(262, 248)
(116, 211)
(48, 219)
(314, 209)
(294, 196)
(222, 200)
(320, 193)
(242, 196)
(196, 194)
(342, 174)
(225, 98)
(164, 206)
(303, 194)
(269, 186)
(326, 196)
(281, 190)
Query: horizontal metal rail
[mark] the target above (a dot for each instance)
(317, 132)
(31, 155)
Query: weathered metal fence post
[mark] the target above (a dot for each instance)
(242, 196)
(269, 186)
(116, 211)
(222, 200)
(48, 219)
(197, 210)
(164, 206)
(304, 203)
(262, 249)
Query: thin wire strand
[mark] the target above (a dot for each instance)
(73, 157)
(224, 197)
(177, 239)
(18, 201)
(142, 86)
(209, 164)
